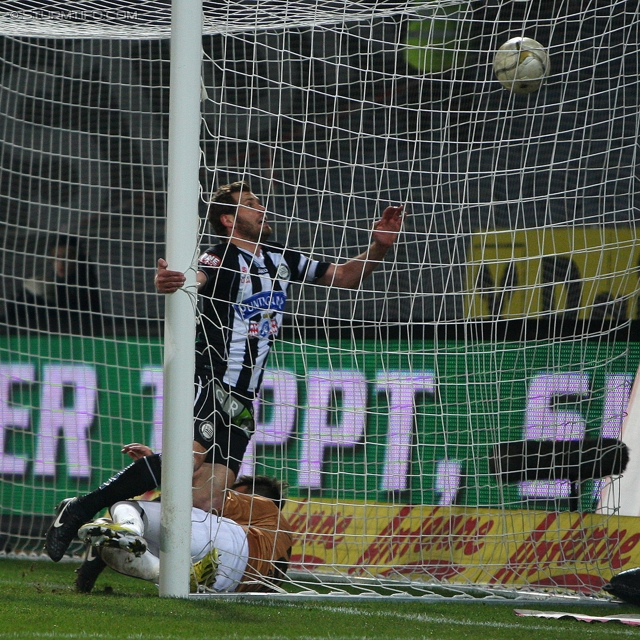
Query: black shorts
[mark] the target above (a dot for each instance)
(223, 422)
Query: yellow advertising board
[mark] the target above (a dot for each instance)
(577, 551)
(590, 272)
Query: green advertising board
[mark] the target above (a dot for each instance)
(351, 420)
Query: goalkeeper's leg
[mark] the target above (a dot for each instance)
(140, 476)
(145, 567)
(124, 530)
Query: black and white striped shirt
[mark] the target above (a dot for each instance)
(241, 309)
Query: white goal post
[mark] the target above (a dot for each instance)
(506, 313)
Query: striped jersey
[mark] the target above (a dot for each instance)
(241, 309)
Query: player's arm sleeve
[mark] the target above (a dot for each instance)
(234, 508)
(237, 507)
(250, 510)
(209, 264)
(305, 269)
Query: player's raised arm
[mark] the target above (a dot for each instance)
(385, 233)
(387, 229)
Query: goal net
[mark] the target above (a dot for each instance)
(436, 424)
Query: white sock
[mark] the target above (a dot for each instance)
(147, 566)
(128, 515)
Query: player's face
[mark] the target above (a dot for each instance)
(250, 222)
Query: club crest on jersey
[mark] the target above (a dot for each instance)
(206, 430)
(263, 301)
(283, 273)
(210, 260)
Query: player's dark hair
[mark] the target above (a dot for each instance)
(221, 202)
(263, 486)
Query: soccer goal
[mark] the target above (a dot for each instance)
(453, 425)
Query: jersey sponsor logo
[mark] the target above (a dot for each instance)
(263, 301)
(206, 430)
(210, 260)
(263, 328)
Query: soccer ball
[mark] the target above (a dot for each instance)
(521, 65)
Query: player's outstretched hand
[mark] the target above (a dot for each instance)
(136, 450)
(168, 281)
(386, 230)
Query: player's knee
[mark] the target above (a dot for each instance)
(201, 502)
(207, 501)
(215, 503)
(198, 459)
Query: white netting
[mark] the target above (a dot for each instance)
(506, 311)
(152, 18)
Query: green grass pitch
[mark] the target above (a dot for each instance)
(37, 600)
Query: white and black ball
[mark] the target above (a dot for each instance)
(521, 65)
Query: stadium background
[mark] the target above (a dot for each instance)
(84, 149)
(84, 152)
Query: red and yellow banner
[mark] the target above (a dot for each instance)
(579, 551)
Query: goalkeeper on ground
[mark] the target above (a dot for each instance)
(246, 549)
